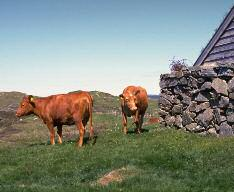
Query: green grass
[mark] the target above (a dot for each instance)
(157, 160)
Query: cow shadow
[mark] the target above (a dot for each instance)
(142, 131)
(86, 141)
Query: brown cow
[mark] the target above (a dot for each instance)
(134, 102)
(59, 110)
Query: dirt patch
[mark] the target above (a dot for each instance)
(7, 132)
(116, 175)
(153, 120)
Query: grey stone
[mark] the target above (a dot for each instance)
(201, 80)
(186, 99)
(206, 86)
(192, 82)
(192, 106)
(173, 83)
(230, 118)
(220, 86)
(166, 92)
(231, 95)
(177, 109)
(183, 81)
(164, 101)
(208, 73)
(170, 120)
(231, 85)
(165, 107)
(217, 127)
(170, 98)
(191, 127)
(178, 121)
(178, 74)
(217, 116)
(212, 131)
(163, 84)
(231, 105)
(225, 130)
(225, 72)
(194, 127)
(202, 106)
(223, 102)
(162, 112)
(195, 91)
(187, 119)
(223, 118)
(205, 118)
(201, 98)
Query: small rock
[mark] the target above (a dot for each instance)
(173, 83)
(225, 130)
(224, 102)
(206, 86)
(178, 121)
(212, 131)
(164, 102)
(231, 95)
(231, 85)
(177, 109)
(191, 127)
(230, 118)
(192, 106)
(208, 73)
(162, 112)
(205, 118)
(220, 86)
(201, 98)
(202, 106)
(170, 120)
(183, 81)
(192, 82)
(186, 99)
(187, 119)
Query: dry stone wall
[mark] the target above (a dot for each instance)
(199, 99)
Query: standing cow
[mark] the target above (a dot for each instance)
(59, 110)
(134, 102)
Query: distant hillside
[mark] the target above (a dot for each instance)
(10, 100)
(155, 97)
(103, 102)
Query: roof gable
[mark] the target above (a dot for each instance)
(220, 48)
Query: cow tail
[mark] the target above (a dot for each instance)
(91, 134)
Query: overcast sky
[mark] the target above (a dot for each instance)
(56, 46)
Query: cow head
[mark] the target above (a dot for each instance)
(130, 100)
(26, 106)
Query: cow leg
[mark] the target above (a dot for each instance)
(91, 132)
(137, 122)
(60, 135)
(81, 129)
(51, 129)
(124, 121)
(141, 122)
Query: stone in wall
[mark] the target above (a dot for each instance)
(199, 99)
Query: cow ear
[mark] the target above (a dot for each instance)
(31, 100)
(121, 96)
(137, 92)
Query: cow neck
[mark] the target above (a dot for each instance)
(39, 106)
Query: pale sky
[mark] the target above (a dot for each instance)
(58, 46)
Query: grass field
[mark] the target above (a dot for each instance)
(159, 159)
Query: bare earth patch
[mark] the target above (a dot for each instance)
(116, 175)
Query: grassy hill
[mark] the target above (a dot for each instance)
(157, 160)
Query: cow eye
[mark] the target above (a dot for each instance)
(22, 105)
